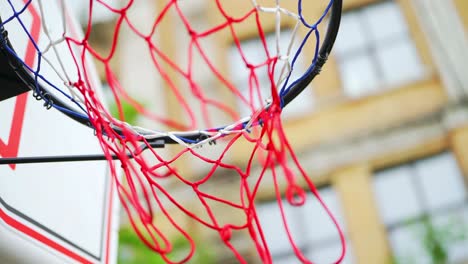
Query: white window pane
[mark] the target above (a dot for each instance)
(304, 102)
(453, 227)
(254, 52)
(273, 227)
(317, 225)
(279, 44)
(399, 62)
(407, 244)
(358, 75)
(252, 96)
(289, 260)
(284, 46)
(395, 195)
(330, 254)
(351, 36)
(237, 68)
(458, 252)
(384, 21)
(393, 60)
(441, 181)
(301, 105)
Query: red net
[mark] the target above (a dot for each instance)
(227, 123)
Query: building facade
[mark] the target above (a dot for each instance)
(383, 131)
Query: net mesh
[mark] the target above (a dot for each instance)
(229, 111)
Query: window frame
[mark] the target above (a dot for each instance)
(372, 49)
(335, 92)
(307, 246)
(426, 213)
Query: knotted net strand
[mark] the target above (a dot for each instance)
(142, 189)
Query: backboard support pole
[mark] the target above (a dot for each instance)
(76, 158)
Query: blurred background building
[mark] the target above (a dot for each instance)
(383, 131)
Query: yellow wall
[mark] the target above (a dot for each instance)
(366, 232)
(462, 8)
(459, 145)
(357, 117)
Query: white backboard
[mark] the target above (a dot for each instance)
(51, 212)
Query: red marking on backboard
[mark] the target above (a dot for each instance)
(10, 149)
(34, 234)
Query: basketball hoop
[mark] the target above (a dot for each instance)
(204, 120)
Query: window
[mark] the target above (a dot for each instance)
(421, 202)
(374, 50)
(254, 53)
(310, 227)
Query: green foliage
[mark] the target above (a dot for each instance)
(129, 112)
(133, 251)
(435, 240)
